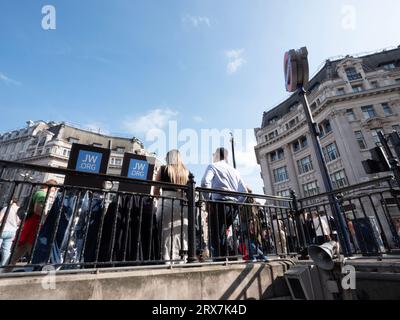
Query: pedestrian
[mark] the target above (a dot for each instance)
(9, 231)
(321, 227)
(35, 218)
(222, 208)
(251, 231)
(279, 234)
(290, 226)
(172, 209)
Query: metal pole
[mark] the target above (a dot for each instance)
(233, 150)
(393, 162)
(192, 220)
(299, 224)
(343, 235)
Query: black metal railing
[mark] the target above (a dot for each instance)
(370, 210)
(80, 227)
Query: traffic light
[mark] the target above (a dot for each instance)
(378, 163)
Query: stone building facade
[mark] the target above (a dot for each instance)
(49, 144)
(351, 100)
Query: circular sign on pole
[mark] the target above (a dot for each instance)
(296, 69)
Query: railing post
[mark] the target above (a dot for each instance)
(300, 230)
(394, 193)
(192, 220)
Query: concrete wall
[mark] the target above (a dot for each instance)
(214, 282)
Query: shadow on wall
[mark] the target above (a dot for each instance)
(259, 285)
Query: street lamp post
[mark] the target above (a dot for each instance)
(296, 77)
(233, 150)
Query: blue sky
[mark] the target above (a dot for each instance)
(126, 66)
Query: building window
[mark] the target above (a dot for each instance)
(340, 91)
(42, 142)
(66, 152)
(281, 174)
(305, 165)
(300, 144)
(284, 193)
(303, 142)
(350, 115)
(310, 189)
(328, 127)
(368, 112)
(397, 80)
(277, 155)
(325, 128)
(292, 123)
(386, 109)
(374, 84)
(321, 131)
(116, 161)
(360, 139)
(389, 66)
(375, 136)
(352, 74)
(339, 179)
(357, 89)
(296, 146)
(271, 135)
(331, 152)
(273, 120)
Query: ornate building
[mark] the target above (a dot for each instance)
(49, 144)
(351, 100)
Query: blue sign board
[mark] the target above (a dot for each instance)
(89, 161)
(138, 169)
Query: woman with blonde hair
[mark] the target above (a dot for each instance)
(172, 208)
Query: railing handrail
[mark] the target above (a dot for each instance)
(348, 188)
(242, 194)
(110, 177)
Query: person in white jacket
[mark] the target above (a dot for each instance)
(9, 231)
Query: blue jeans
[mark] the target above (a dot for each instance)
(6, 241)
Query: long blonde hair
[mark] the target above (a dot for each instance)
(177, 171)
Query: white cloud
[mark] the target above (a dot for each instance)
(8, 80)
(234, 54)
(154, 119)
(235, 60)
(196, 21)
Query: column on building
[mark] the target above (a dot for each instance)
(349, 149)
(291, 167)
(266, 170)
